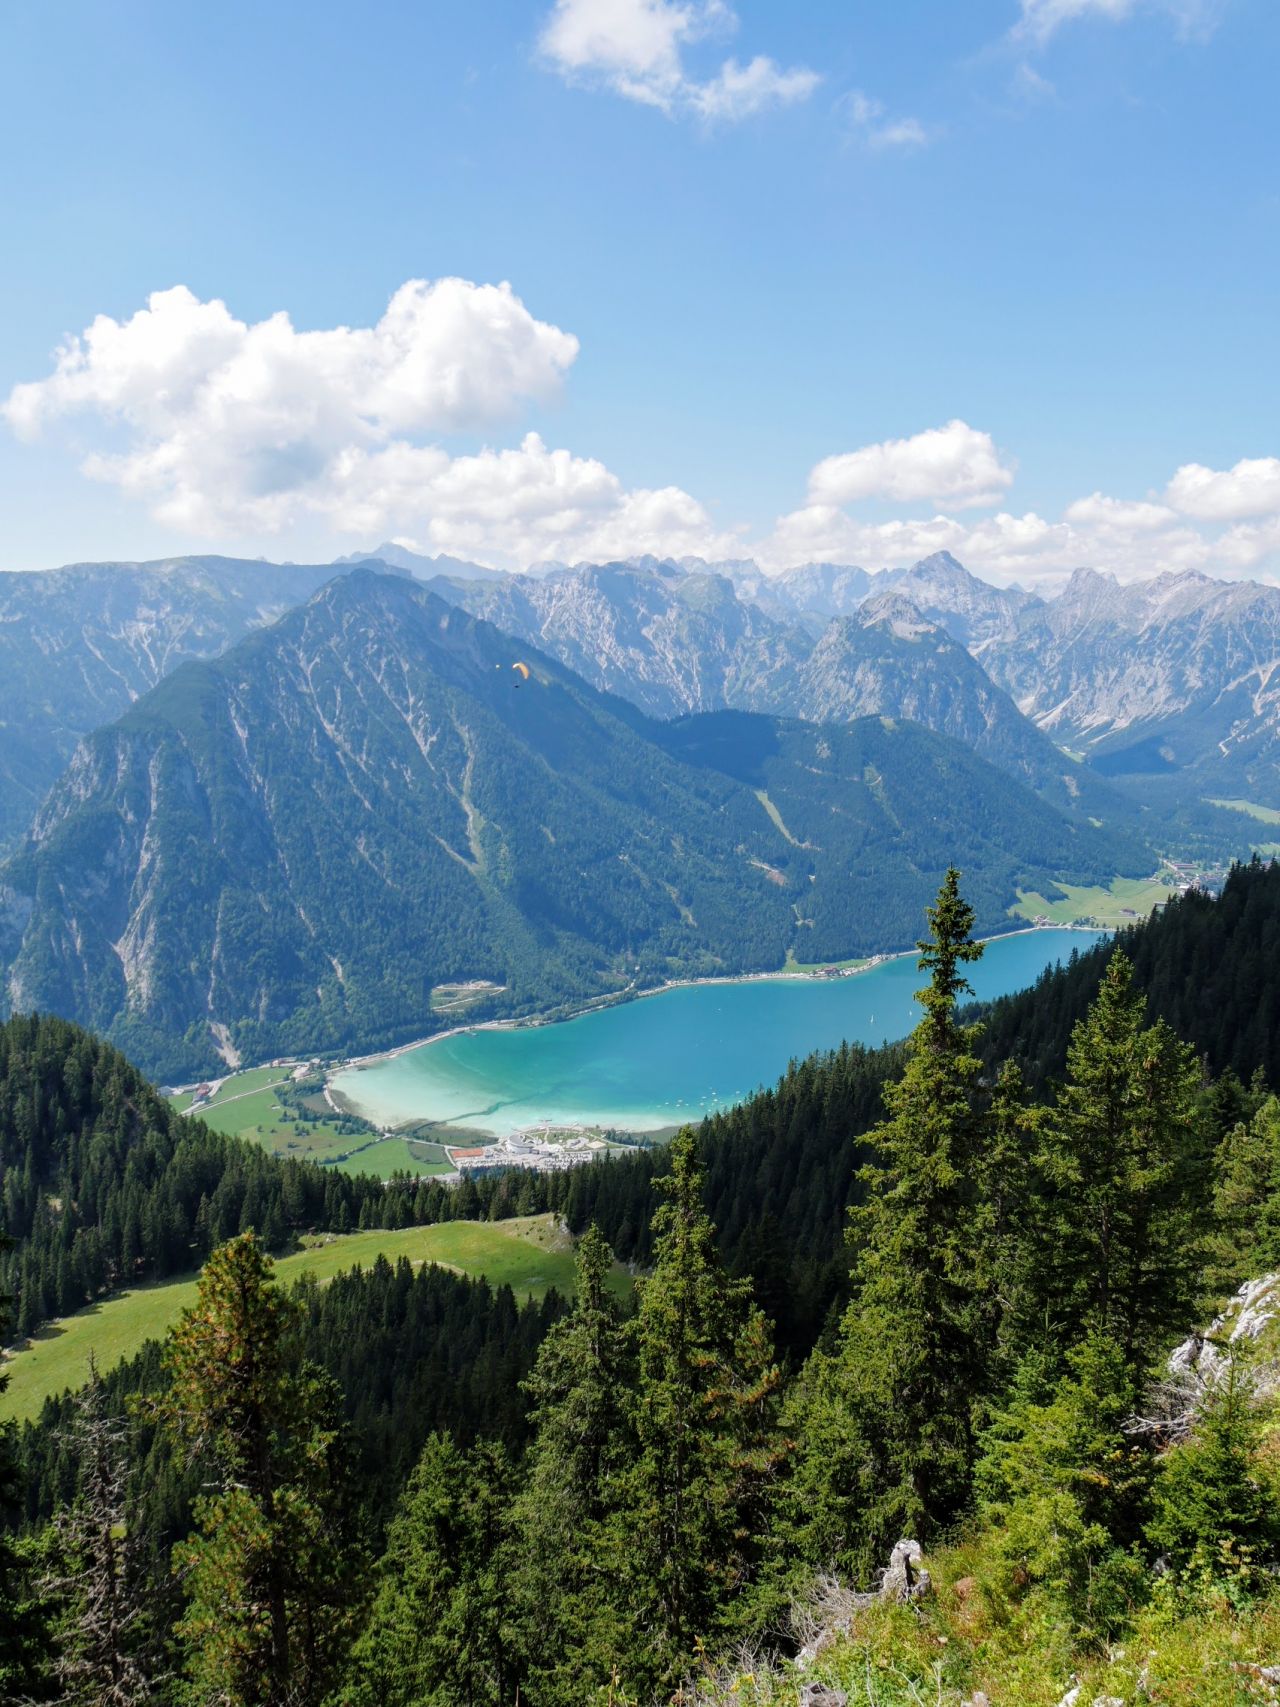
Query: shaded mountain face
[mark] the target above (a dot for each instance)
(675, 640)
(891, 660)
(291, 846)
(77, 645)
(1176, 675)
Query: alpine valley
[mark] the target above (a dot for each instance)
(296, 801)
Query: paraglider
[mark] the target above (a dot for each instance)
(524, 672)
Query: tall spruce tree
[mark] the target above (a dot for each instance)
(439, 1632)
(273, 1574)
(707, 1441)
(887, 1416)
(569, 1548)
(1122, 1211)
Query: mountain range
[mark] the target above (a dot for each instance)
(675, 639)
(290, 846)
(79, 644)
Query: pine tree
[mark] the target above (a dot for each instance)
(707, 1442)
(569, 1550)
(105, 1639)
(438, 1632)
(886, 1418)
(1122, 1206)
(25, 1635)
(1247, 1198)
(272, 1575)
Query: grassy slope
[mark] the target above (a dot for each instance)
(1264, 814)
(1118, 904)
(1189, 1653)
(529, 1255)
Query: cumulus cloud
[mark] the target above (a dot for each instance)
(515, 506)
(637, 48)
(253, 429)
(1251, 488)
(957, 467)
(955, 464)
(1041, 19)
(1118, 515)
(1028, 548)
(225, 428)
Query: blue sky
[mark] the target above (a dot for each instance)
(846, 280)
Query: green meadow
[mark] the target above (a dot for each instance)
(529, 1254)
(246, 1105)
(1120, 903)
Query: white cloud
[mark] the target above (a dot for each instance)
(513, 506)
(227, 423)
(1251, 488)
(739, 91)
(955, 464)
(223, 428)
(1132, 538)
(1029, 86)
(1118, 515)
(1041, 19)
(867, 120)
(637, 49)
(1003, 547)
(240, 429)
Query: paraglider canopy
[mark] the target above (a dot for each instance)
(523, 669)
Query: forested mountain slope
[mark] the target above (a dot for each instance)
(674, 641)
(288, 847)
(104, 1184)
(79, 644)
(991, 1376)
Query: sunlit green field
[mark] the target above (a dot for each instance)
(530, 1255)
(1264, 814)
(246, 1106)
(1120, 903)
(396, 1155)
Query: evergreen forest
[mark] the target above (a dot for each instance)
(937, 1382)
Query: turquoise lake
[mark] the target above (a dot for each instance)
(671, 1057)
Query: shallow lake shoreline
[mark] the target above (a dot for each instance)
(395, 1115)
(593, 1004)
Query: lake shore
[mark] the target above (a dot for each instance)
(593, 1004)
(636, 1066)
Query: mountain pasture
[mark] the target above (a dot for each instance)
(529, 1254)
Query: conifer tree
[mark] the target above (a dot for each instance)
(1122, 1207)
(1247, 1198)
(1066, 1489)
(1216, 1514)
(707, 1441)
(25, 1640)
(438, 1634)
(569, 1549)
(887, 1417)
(105, 1642)
(272, 1574)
